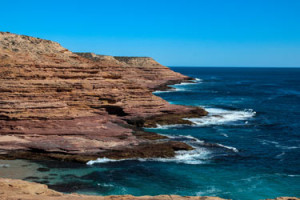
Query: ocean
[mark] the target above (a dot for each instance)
(247, 148)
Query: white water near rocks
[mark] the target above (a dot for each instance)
(199, 155)
(216, 116)
(219, 116)
(179, 87)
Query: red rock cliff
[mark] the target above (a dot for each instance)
(60, 104)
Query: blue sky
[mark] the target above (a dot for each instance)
(174, 32)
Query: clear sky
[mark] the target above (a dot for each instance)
(174, 32)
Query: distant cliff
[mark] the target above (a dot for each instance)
(58, 104)
(143, 70)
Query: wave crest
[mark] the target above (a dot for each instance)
(219, 116)
(199, 155)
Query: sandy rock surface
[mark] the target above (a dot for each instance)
(11, 189)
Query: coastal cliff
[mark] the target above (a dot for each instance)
(58, 104)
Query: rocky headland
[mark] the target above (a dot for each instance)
(56, 104)
(81, 106)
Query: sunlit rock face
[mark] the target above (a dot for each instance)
(81, 106)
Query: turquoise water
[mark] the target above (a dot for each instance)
(247, 148)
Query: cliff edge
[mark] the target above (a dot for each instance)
(58, 104)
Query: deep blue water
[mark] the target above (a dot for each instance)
(247, 148)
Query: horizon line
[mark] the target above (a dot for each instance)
(237, 66)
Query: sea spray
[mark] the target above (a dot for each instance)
(216, 116)
(219, 116)
(199, 155)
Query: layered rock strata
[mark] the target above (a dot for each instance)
(58, 104)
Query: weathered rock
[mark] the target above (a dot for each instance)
(143, 70)
(11, 189)
(58, 104)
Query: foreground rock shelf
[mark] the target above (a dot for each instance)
(16, 189)
(11, 189)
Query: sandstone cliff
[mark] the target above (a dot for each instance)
(55, 103)
(143, 70)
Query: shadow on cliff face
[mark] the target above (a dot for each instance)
(115, 110)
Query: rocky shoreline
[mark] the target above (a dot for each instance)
(11, 189)
(56, 104)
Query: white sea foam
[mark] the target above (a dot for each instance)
(173, 89)
(177, 87)
(191, 138)
(184, 83)
(192, 82)
(218, 116)
(180, 89)
(158, 126)
(280, 155)
(192, 141)
(198, 155)
(197, 80)
(228, 147)
(268, 142)
(103, 160)
(193, 157)
(224, 134)
(162, 91)
(105, 185)
(287, 147)
(278, 145)
(211, 190)
(293, 175)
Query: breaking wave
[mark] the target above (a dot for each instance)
(192, 82)
(219, 116)
(177, 88)
(228, 147)
(278, 145)
(199, 155)
(193, 157)
(216, 116)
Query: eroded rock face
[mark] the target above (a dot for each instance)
(64, 104)
(144, 71)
